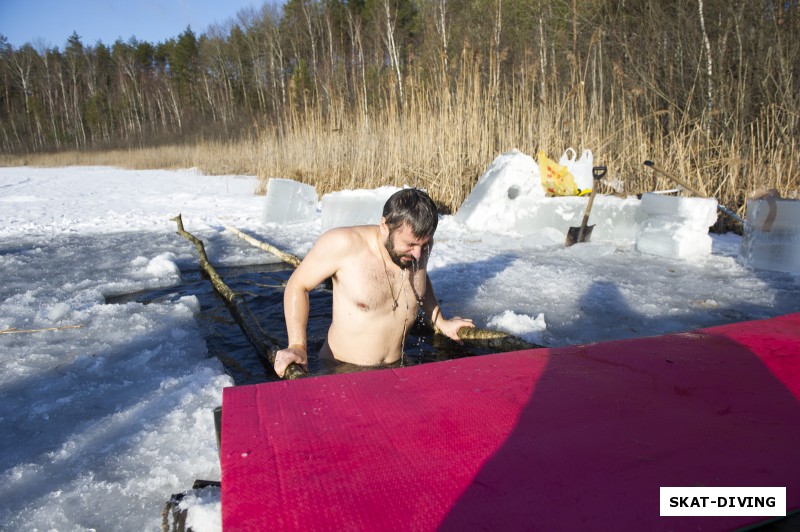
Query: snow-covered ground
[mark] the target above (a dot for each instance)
(107, 416)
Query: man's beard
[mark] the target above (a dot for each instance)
(396, 257)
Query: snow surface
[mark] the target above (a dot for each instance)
(103, 422)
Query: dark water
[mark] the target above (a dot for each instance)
(262, 286)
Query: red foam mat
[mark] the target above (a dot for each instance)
(577, 438)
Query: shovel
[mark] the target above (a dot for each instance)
(584, 232)
(693, 190)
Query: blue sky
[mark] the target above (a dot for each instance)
(51, 22)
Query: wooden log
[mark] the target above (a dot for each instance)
(266, 347)
(14, 330)
(500, 340)
(269, 248)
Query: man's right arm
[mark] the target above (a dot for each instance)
(321, 262)
(295, 310)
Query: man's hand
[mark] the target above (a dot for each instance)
(294, 353)
(450, 327)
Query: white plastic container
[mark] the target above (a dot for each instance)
(771, 238)
(580, 168)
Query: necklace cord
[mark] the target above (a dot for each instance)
(395, 301)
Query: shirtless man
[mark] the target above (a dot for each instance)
(379, 280)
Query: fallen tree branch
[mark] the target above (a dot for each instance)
(499, 339)
(14, 330)
(265, 346)
(269, 248)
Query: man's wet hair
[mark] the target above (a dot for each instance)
(414, 207)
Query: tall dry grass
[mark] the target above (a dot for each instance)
(445, 134)
(218, 158)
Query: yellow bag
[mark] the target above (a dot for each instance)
(556, 179)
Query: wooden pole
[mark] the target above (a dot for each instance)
(265, 346)
(693, 190)
(500, 340)
(285, 257)
(14, 330)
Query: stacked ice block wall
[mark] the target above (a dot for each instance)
(676, 227)
(771, 238)
(289, 202)
(354, 207)
(509, 198)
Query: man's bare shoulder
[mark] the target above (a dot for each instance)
(335, 251)
(350, 238)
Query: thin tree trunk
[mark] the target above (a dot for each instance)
(285, 257)
(265, 346)
(709, 62)
(391, 45)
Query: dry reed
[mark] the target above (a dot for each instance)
(446, 134)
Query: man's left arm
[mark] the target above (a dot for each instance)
(431, 308)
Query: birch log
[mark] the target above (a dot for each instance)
(265, 346)
(269, 248)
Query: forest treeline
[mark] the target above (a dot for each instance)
(684, 79)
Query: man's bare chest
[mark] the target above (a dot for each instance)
(373, 288)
